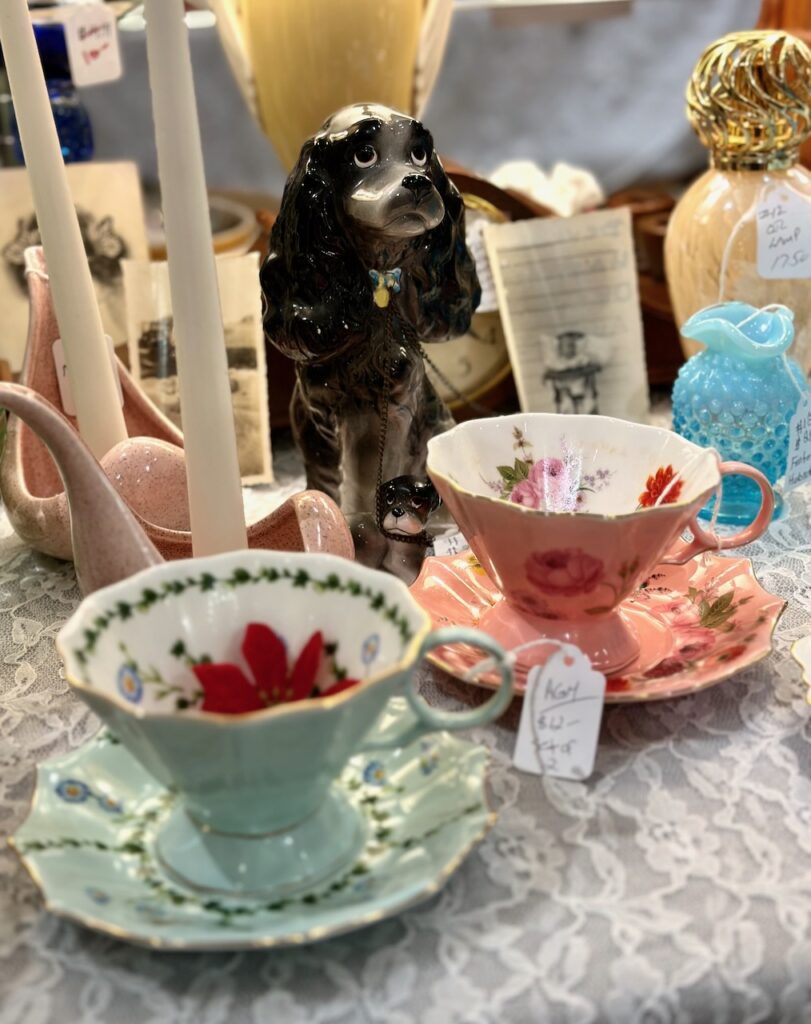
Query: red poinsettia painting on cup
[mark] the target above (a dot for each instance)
(227, 690)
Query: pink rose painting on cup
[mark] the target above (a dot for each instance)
(550, 484)
(565, 572)
(547, 485)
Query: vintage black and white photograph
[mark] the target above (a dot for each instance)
(574, 361)
(152, 351)
(111, 219)
(568, 297)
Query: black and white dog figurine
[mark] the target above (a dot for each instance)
(368, 260)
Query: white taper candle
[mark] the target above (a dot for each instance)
(90, 371)
(212, 467)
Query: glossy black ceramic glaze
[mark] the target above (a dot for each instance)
(367, 261)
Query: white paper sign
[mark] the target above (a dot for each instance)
(560, 720)
(798, 470)
(783, 233)
(94, 55)
(450, 544)
(569, 301)
(65, 393)
(478, 250)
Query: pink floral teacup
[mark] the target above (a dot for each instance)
(568, 514)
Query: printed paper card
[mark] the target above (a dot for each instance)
(569, 300)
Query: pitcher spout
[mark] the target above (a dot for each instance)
(743, 331)
(108, 542)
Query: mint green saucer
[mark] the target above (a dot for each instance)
(89, 845)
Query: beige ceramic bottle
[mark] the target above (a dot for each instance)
(743, 229)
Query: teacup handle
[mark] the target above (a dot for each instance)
(682, 551)
(432, 719)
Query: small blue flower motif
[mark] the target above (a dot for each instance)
(363, 886)
(107, 803)
(154, 912)
(374, 774)
(98, 896)
(72, 791)
(370, 649)
(429, 758)
(129, 684)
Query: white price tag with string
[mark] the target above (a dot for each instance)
(560, 719)
(798, 470)
(94, 54)
(783, 218)
(450, 544)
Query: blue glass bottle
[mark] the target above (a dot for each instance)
(72, 121)
(739, 394)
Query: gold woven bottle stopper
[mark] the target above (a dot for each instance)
(749, 99)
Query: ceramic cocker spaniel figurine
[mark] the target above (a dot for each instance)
(368, 260)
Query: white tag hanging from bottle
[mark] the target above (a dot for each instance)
(783, 218)
(94, 54)
(561, 716)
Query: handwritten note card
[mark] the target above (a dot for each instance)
(91, 35)
(569, 301)
(560, 719)
(476, 224)
(783, 233)
(799, 446)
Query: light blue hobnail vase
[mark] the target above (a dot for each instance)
(738, 396)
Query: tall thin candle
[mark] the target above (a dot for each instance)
(212, 469)
(91, 373)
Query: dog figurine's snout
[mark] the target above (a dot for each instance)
(419, 185)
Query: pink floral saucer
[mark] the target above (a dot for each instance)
(697, 623)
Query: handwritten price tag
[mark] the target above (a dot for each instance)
(450, 544)
(783, 233)
(94, 55)
(798, 470)
(560, 720)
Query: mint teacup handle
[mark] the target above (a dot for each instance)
(433, 719)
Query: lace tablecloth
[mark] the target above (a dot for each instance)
(673, 886)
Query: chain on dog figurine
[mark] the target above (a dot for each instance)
(367, 261)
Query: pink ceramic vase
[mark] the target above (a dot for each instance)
(147, 470)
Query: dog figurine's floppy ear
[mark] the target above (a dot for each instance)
(448, 285)
(316, 292)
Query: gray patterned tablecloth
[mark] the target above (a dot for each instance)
(673, 886)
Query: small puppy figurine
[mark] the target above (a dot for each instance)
(367, 260)
(405, 505)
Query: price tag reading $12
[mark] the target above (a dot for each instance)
(94, 55)
(783, 233)
(560, 720)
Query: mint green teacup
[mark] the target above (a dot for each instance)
(258, 808)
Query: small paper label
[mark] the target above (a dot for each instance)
(478, 250)
(798, 470)
(560, 720)
(451, 544)
(783, 233)
(94, 55)
(65, 393)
